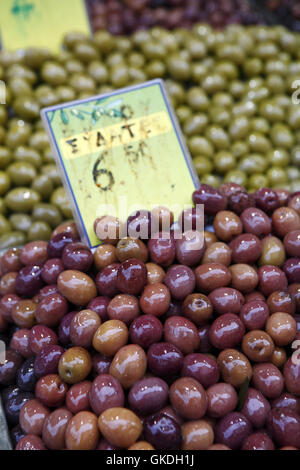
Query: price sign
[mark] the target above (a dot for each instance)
(121, 152)
(40, 23)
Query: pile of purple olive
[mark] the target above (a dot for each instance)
(145, 344)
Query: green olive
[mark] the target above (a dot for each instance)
(98, 72)
(244, 108)
(153, 50)
(220, 116)
(82, 82)
(176, 91)
(282, 136)
(124, 45)
(257, 181)
(27, 107)
(273, 252)
(212, 180)
(260, 124)
(47, 213)
(195, 124)
(5, 157)
(104, 41)
(52, 172)
(36, 56)
(253, 66)
(293, 173)
(294, 117)
(5, 182)
(65, 93)
(178, 68)
(43, 185)
(198, 71)
(231, 52)
(278, 157)
(60, 200)
(22, 199)
(275, 83)
(85, 52)
(217, 136)
(224, 161)
(12, 240)
(270, 110)
(258, 143)
(46, 96)
(196, 47)
(239, 127)
(203, 165)
(74, 66)
(28, 155)
(20, 222)
(253, 163)
(183, 113)
(119, 76)
(17, 136)
(222, 99)
(136, 75)
(227, 69)
(21, 173)
(236, 176)
(155, 68)
(5, 226)
(136, 59)
(276, 66)
(64, 56)
(197, 99)
(72, 38)
(39, 140)
(54, 73)
(21, 71)
(276, 176)
(239, 148)
(19, 87)
(200, 146)
(266, 50)
(295, 186)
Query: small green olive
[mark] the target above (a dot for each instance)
(5, 157)
(12, 240)
(43, 185)
(5, 226)
(47, 213)
(39, 231)
(60, 200)
(20, 222)
(5, 182)
(21, 173)
(22, 199)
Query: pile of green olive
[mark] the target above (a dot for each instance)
(232, 92)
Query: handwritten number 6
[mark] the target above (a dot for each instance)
(98, 172)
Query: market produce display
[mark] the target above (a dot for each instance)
(108, 350)
(124, 17)
(232, 92)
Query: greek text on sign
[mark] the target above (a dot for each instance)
(116, 135)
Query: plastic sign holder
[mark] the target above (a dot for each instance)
(120, 152)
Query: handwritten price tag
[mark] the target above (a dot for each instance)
(119, 153)
(40, 23)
